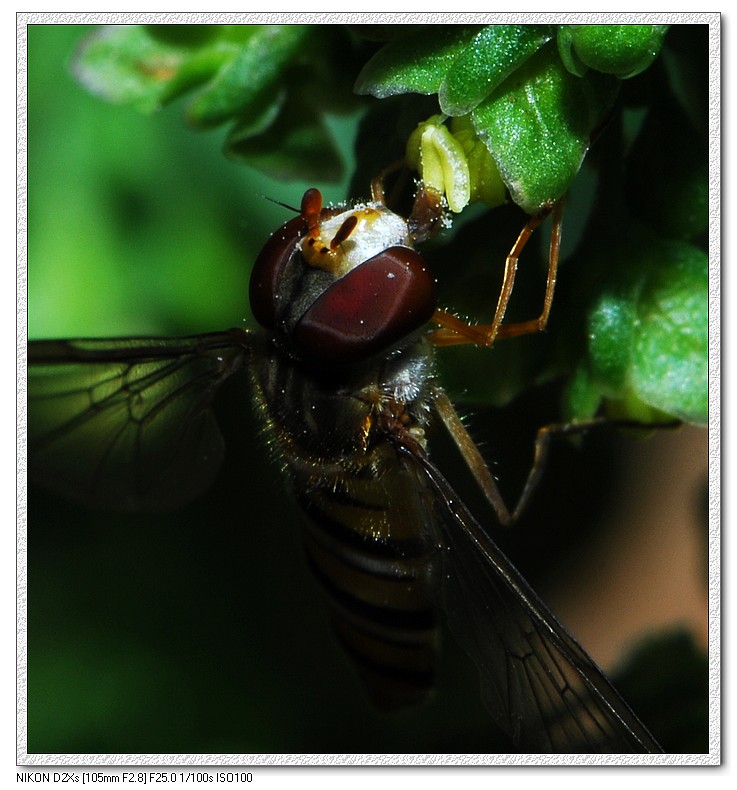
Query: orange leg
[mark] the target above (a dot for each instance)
(377, 183)
(545, 436)
(454, 331)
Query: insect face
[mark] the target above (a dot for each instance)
(341, 286)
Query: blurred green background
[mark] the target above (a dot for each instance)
(202, 631)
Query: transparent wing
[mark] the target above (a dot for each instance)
(538, 683)
(127, 424)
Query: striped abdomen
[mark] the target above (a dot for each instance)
(364, 543)
(366, 534)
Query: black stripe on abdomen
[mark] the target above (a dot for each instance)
(378, 588)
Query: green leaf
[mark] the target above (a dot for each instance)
(245, 73)
(494, 53)
(416, 63)
(296, 145)
(240, 86)
(537, 126)
(671, 340)
(648, 327)
(622, 50)
(124, 64)
(149, 66)
(611, 337)
(199, 67)
(582, 396)
(259, 119)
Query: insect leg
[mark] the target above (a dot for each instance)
(471, 455)
(455, 331)
(547, 433)
(480, 470)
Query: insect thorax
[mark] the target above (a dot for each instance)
(332, 416)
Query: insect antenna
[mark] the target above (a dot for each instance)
(280, 203)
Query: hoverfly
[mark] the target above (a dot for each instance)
(342, 375)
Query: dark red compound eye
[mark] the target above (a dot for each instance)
(371, 308)
(268, 271)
